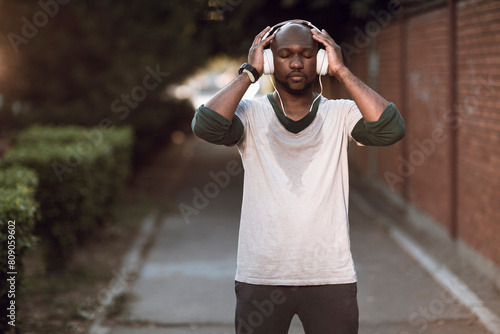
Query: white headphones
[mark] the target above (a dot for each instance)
(321, 57)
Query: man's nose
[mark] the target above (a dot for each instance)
(296, 63)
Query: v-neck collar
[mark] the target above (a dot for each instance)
(290, 124)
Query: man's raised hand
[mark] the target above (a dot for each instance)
(256, 52)
(333, 50)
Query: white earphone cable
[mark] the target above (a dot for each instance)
(282, 106)
(320, 93)
(312, 104)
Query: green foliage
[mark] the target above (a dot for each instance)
(80, 172)
(237, 22)
(82, 141)
(93, 51)
(17, 214)
(89, 52)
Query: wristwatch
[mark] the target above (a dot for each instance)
(250, 71)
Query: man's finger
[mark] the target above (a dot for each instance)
(319, 38)
(268, 39)
(318, 34)
(258, 38)
(324, 38)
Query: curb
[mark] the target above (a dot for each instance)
(133, 260)
(129, 269)
(437, 270)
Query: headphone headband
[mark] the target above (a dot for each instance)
(280, 25)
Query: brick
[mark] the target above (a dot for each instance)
(478, 89)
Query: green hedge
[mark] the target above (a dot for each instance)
(120, 139)
(17, 215)
(81, 141)
(80, 172)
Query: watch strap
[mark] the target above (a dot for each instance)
(251, 71)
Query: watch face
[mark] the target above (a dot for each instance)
(242, 67)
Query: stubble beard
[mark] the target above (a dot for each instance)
(295, 91)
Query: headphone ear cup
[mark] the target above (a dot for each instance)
(322, 62)
(268, 61)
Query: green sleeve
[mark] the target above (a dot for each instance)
(389, 129)
(214, 128)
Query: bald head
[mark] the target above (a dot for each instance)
(294, 56)
(293, 34)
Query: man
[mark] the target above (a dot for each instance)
(294, 251)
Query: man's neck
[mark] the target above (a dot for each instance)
(296, 105)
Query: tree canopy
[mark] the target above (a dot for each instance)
(66, 61)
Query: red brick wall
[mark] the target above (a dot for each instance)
(388, 48)
(478, 71)
(428, 102)
(427, 147)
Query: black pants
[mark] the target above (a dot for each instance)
(322, 309)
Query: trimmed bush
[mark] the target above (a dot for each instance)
(80, 171)
(17, 220)
(80, 141)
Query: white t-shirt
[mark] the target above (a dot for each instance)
(294, 227)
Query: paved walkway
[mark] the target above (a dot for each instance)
(187, 279)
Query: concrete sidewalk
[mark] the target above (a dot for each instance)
(186, 283)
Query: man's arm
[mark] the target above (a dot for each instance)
(369, 102)
(382, 123)
(215, 121)
(387, 130)
(215, 128)
(226, 100)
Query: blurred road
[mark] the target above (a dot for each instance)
(186, 284)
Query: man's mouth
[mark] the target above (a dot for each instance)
(296, 76)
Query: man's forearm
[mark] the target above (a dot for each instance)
(227, 99)
(369, 102)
